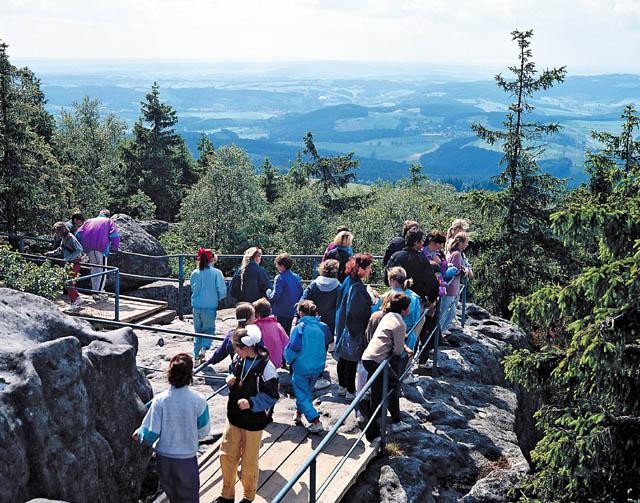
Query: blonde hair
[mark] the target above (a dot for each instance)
(458, 223)
(461, 237)
(249, 255)
(343, 238)
(399, 275)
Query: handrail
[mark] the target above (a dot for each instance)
(150, 328)
(383, 367)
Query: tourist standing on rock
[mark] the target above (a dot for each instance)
(352, 316)
(342, 252)
(388, 340)
(250, 281)
(253, 392)
(307, 355)
(207, 289)
(70, 250)
(332, 245)
(177, 419)
(245, 316)
(287, 290)
(274, 338)
(99, 236)
(457, 226)
(397, 243)
(449, 301)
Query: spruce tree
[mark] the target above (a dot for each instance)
(269, 180)
(512, 261)
(415, 174)
(332, 172)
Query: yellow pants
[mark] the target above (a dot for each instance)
(238, 444)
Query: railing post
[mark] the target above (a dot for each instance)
(117, 288)
(463, 315)
(436, 339)
(180, 285)
(21, 245)
(383, 409)
(312, 482)
(314, 273)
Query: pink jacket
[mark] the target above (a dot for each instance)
(274, 338)
(99, 234)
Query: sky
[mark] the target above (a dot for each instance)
(589, 36)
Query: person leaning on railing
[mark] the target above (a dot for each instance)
(70, 250)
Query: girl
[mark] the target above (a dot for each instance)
(352, 316)
(449, 301)
(250, 281)
(274, 338)
(253, 391)
(323, 292)
(207, 289)
(177, 419)
(342, 252)
(245, 316)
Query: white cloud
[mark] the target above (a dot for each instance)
(584, 34)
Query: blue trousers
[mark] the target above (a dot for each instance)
(179, 479)
(448, 304)
(204, 322)
(303, 388)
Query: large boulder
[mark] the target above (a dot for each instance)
(154, 227)
(70, 399)
(134, 239)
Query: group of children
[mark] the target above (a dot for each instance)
(282, 323)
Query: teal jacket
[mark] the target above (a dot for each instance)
(307, 348)
(207, 288)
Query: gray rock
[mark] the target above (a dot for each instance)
(154, 227)
(70, 399)
(134, 239)
(493, 488)
(391, 490)
(166, 291)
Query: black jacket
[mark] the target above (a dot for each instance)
(418, 268)
(395, 245)
(342, 257)
(254, 286)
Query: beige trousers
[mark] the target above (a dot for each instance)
(240, 445)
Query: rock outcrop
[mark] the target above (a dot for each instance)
(154, 227)
(134, 239)
(70, 398)
(463, 444)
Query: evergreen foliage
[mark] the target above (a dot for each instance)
(588, 375)
(521, 254)
(332, 172)
(269, 180)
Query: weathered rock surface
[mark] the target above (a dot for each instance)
(154, 227)
(134, 239)
(463, 444)
(70, 398)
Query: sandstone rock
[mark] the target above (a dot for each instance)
(154, 227)
(391, 490)
(136, 240)
(69, 401)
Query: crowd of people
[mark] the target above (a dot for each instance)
(280, 324)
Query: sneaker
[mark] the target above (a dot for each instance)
(399, 427)
(220, 499)
(342, 391)
(321, 384)
(315, 427)
(297, 419)
(349, 396)
(410, 379)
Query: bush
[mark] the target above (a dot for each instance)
(45, 280)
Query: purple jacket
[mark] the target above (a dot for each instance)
(99, 234)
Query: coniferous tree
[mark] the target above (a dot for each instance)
(269, 180)
(157, 162)
(589, 378)
(332, 172)
(298, 175)
(32, 188)
(511, 263)
(415, 173)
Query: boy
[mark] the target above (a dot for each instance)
(287, 290)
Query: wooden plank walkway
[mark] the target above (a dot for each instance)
(283, 450)
(132, 309)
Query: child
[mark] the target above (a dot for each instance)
(70, 250)
(177, 419)
(287, 290)
(245, 315)
(274, 338)
(323, 292)
(253, 391)
(307, 354)
(207, 289)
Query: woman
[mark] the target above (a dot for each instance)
(207, 289)
(250, 281)
(352, 316)
(457, 226)
(449, 301)
(342, 252)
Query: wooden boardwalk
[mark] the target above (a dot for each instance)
(284, 449)
(132, 309)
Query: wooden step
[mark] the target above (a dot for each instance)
(161, 318)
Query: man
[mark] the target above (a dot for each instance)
(397, 244)
(76, 221)
(99, 236)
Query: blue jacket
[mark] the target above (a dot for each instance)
(254, 286)
(287, 290)
(207, 288)
(307, 348)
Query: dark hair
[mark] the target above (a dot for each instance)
(307, 308)
(285, 260)
(435, 236)
(342, 228)
(203, 263)
(413, 236)
(60, 227)
(329, 268)
(236, 340)
(244, 312)
(396, 302)
(77, 216)
(408, 225)
(357, 265)
(180, 372)
(262, 308)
